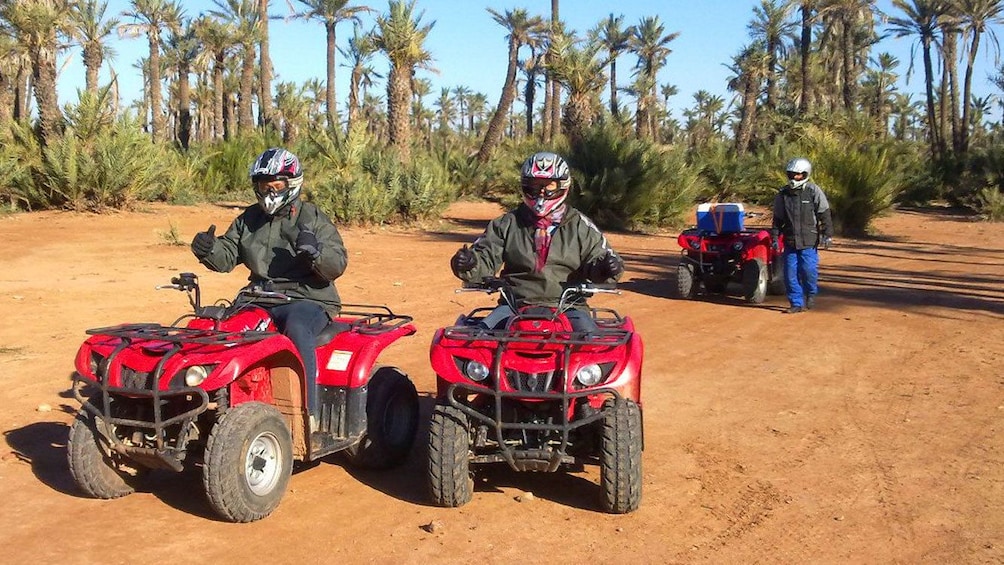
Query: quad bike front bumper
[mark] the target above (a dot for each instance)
(573, 416)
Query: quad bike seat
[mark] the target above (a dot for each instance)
(329, 332)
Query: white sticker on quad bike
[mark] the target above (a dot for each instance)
(339, 360)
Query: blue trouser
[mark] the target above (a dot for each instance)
(301, 321)
(801, 274)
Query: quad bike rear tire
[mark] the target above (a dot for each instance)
(620, 456)
(754, 278)
(449, 471)
(777, 286)
(391, 421)
(97, 471)
(248, 462)
(686, 280)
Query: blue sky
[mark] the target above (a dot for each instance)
(469, 48)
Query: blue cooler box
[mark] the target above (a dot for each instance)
(720, 218)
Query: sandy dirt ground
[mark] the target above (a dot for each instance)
(866, 431)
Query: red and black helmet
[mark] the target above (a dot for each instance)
(275, 164)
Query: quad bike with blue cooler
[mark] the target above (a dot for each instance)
(721, 249)
(225, 393)
(539, 392)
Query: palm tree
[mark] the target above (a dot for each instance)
(293, 107)
(152, 17)
(400, 35)
(182, 49)
(359, 53)
(750, 66)
(92, 30)
(218, 39)
(243, 17)
(521, 28)
(477, 106)
(331, 12)
(772, 27)
(531, 67)
(460, 94)
(920, 18)
(580, 71)
(650, 44)
(39, 25)
(608, 33)
(445, 109)
(807, 10)
(977, 18)
(880, 82)
(557, 31)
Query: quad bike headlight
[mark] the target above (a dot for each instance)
(195, 374)
(694, 244)
(476, 371)
(589, 375)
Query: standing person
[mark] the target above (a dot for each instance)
(540, 244)
(289, 244)
(802, 214)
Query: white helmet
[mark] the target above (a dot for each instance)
(798, 171)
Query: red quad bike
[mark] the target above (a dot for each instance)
(226, 392)
(750, 256)
(537, 396)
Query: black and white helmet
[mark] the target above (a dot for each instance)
(276, 164)
(538, 172)
(798, 171)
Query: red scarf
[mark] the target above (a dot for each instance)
(545, 226)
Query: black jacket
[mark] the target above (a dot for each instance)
(802, 215)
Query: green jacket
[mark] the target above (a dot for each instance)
(267, 246)
(507, 244)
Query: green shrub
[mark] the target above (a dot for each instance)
(629, 183)
(990, 203)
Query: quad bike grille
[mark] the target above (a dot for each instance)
(530, 382)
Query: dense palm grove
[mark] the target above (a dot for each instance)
(807, 82)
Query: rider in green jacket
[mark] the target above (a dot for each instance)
(288, 245)
(541, 244)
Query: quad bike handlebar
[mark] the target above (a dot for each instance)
(571, 294)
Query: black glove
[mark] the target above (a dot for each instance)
(307, 244)
(463, 260)
(202, 244)
(606, 267)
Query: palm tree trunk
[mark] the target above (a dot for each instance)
(937, 149)
(245, 112)
(950, 41)
(184, 106)
(806, 49)
(218, 99)
(967, 91)
(156, 101)
(92, 63)
(613, 87)
(745, 131)
(353, 98)
(265, 67)
(555, 86)
(44, 74)
(329, 93)
(398, 105)
(494, 133)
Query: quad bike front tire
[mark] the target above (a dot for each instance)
(620, 456)
(754, 279)
(686, 280)
(248, 462)
(449, 470)
(95, 469)
(391, 421)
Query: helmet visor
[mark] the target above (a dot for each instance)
(273, 186)
(548, 189)
(800, 175)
